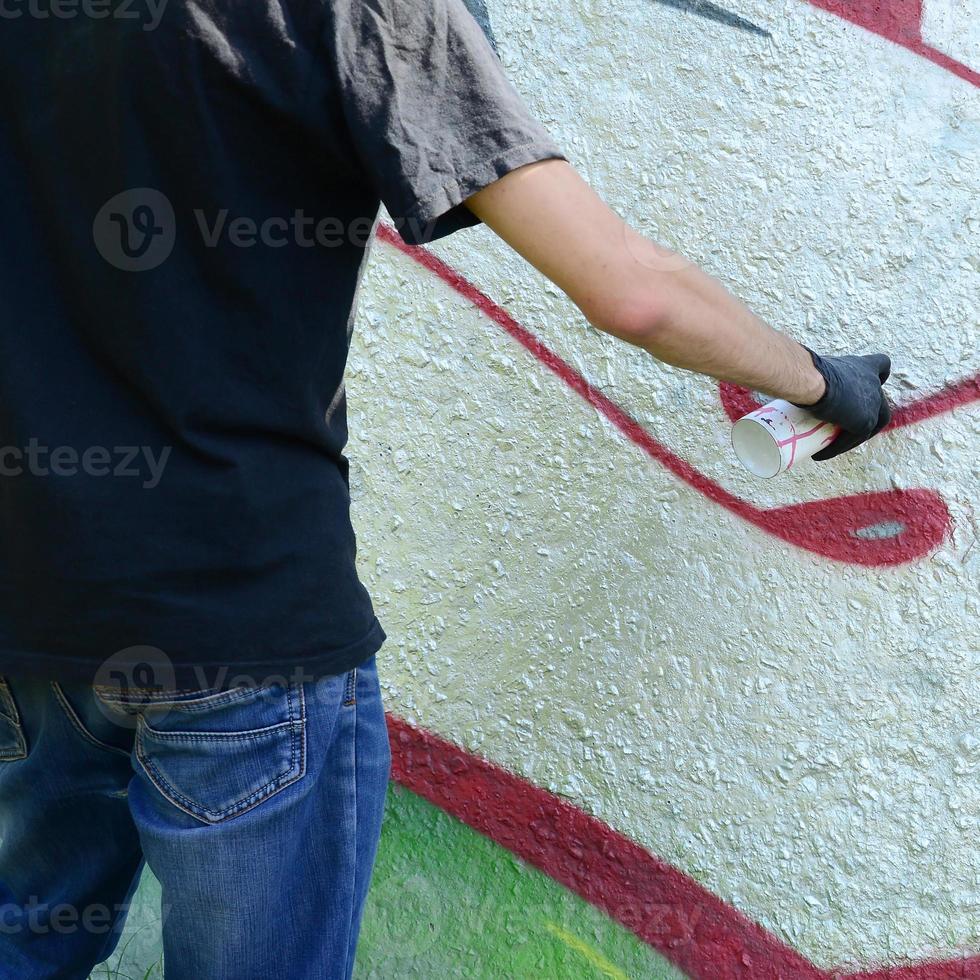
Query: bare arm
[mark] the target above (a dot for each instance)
(631, 288)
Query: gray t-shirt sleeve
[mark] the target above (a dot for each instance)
(430, 112)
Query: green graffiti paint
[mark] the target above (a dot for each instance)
(448, 902)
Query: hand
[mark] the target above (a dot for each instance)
(854, 399)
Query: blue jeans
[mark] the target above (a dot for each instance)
(258, 808)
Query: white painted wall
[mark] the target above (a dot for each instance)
(799, 735)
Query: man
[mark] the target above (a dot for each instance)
(186, 651)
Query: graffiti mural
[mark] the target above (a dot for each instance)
(601, 565)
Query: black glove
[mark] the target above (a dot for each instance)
(854, 399)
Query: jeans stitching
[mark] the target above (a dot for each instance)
(291, 775)
(302, 731)
(10, 712)
(8, 707)
(350, 931)
(279, 782)
(252, 733)
(350, 688)
(77, 724)
(206, 700)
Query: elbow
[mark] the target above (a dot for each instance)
(637, 318)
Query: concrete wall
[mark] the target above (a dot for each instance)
(609, 608)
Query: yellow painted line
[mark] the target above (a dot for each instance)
(596, 958)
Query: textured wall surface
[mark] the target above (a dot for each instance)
(953, 26)
(797, 734)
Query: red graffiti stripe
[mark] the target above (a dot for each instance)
(699, 933)
(899, 21)
(679, 918)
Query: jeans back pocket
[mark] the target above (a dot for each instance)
(13, 744)
(220, 754)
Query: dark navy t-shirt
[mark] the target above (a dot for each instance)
(187, 189)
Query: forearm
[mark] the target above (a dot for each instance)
(695, 323)
(631, 288)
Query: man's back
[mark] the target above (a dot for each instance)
(188, 193)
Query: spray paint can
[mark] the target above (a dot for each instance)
(778, 436)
